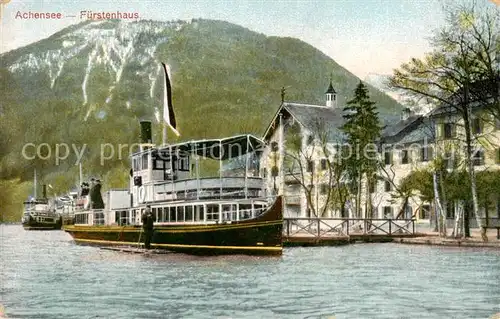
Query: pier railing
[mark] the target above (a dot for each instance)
(345, 227)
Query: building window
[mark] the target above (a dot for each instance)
(425, 212)
(478, 158)
(449, 130)
(426, 153)
(388, 158)
(405, 157)
(323, 164)
(388, 186)
(477, 126)
(388, 212)
(372, 185)
(310, 166)
(324, 188)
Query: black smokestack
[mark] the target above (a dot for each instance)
(44, 191)
(146, 132)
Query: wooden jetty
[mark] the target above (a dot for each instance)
(300, 231)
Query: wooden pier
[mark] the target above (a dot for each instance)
(342, 231)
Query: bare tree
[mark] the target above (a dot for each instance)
(465, 55)
(300, 157)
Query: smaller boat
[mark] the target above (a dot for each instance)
(39, 214)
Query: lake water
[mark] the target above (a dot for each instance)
(45, 275)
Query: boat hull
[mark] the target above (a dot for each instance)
(35, 225)
(259, 236)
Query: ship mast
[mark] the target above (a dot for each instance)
(34, 184)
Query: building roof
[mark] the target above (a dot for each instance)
(310, 116)
(415, 128)
(481, 93)
(398, 126)
(330, 89)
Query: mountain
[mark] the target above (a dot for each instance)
(89, 84)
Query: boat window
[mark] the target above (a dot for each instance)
(212, 212)
(134, 214)
(81, 218)
(135, 163)
(172, 214)
(99, 218)
(257, 209)
(159, 214)
(189, 213)
(145, 161)
(121, 217)
(199, 213)
(159, 164)
(184, 164)
(245, 211)
(229, 212)
(180, 213)
(167, 164)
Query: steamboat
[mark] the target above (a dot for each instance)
(39, 214)
(169, 205)
(209, 215)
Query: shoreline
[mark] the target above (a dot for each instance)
(434, 240)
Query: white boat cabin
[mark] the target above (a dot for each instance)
(167, 179)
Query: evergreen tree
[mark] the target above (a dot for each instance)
(362, 129)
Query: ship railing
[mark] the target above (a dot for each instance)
(212, 187)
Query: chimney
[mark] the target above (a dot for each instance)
(146, 132)
(44, 191)
(406, 114)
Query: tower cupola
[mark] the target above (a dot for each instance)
(331, 96)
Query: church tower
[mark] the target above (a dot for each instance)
(331, 96)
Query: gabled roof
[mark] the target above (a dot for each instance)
(308, 115)
(397, 127)
(416, 128)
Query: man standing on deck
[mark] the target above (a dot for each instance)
(147, 225)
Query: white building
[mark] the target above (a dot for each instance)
(311, 133)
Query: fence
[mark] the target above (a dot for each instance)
(324, 227)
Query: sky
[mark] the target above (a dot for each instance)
(366, 37)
